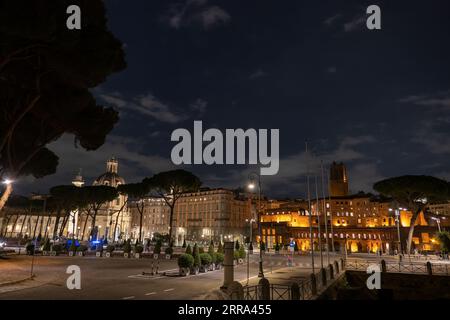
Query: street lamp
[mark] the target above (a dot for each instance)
(252, 186)
(397, 221)
(438, 222)
(248, 248)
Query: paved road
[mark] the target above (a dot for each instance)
(118, 278)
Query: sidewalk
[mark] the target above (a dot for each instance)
(15, 274)
(12, 272)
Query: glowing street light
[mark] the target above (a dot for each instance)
(252, 186)
(7, 181)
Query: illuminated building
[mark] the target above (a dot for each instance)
(211, 214)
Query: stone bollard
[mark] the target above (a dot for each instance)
(235, 291)
(295, 291)
(383, 266)
(331, 271)
(429, 268)
(263, 289)
(336, 266)
(323, 276)
(313, 284)
(228, 264)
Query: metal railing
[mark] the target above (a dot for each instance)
(403, 267)
(276, 292)
(303, 290)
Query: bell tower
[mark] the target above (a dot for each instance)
(112, 165)
(338, 180)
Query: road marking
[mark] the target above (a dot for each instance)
(150, 293)
(171, 289)
(128, 298)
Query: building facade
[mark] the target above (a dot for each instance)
(212, 214)
(155, 217)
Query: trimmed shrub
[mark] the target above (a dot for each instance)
(47, 245)
(127, 246)
(169, 250)
(236, 246)
(30, 248)
(184, 244)
(236, 255)
(57, 248)
(72, 247)
(82, 248)
(205, 259)
(188, 250)
(211, 252)
(220, 248)
(201, 250)
(242, 253)
(157, 248)
(196, 256)
(185, 261)
(262, 246)
(138, 248)
(219, 257)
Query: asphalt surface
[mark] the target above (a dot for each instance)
(119, 278)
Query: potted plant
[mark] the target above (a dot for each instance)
(197, 261)
(99, 250)
(169, 252)
(29, 248)
(157, 249)
(236, 257)
(127, 248)
(185, 263)
(242, 254)
(220, 248)
(55, 249)
(138, 249)
(46, 247)
(205, 261)
(262, 246)
(72, 249)
(81, 250)
(212, 253)
(219, 260)
(109, 250)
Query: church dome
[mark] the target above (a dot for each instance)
(110, 177)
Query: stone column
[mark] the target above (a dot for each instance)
(228, 273)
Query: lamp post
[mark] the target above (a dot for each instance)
(248, 249)
(252, 186)
(397, 221)
(438, 222)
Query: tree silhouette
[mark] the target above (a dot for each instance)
(170, 185)
(414, 192)
(138, 192)
(46, 72)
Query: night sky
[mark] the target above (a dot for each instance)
(377, 100)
